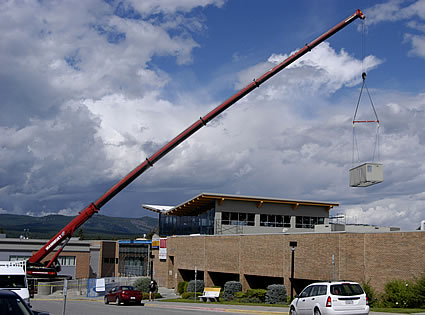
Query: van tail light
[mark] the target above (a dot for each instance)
(329, 302)
(367, 301)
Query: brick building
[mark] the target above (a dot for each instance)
(262, 259)
(246, 238)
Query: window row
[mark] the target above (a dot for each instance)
(274, 220)
(305, 222)
(237, 218)
(67, 260)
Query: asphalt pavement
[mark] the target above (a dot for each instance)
(78, 303)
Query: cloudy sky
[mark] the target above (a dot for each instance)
(89, 89)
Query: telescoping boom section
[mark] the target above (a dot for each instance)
(65, 234)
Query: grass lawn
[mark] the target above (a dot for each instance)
(398, 310)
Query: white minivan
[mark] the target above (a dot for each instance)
(333, 297)
(13, 277)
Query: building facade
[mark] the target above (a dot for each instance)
(262, 259)
(217, 214)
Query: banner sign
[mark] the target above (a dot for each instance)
(163, 249)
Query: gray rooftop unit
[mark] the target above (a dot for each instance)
(366, 174)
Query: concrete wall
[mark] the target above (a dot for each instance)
(374, 257)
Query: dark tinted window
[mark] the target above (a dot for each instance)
(12, 281)
(127, 288)
(346, 289)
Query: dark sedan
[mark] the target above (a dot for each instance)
(123, 294)
(12, 304)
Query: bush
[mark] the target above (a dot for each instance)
(190, 295)
(230, 288)
(142, 284)
(240, 295)
(419, 292)
(276, 293)
(370, 293)
(399, 293)
(182, 287)
(255, 295)
(199, 286)
(145, 296)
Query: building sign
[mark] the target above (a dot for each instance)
(163, 248)
(155, 242)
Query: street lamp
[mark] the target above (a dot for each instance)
(292, 244)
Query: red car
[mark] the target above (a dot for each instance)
(123, 294)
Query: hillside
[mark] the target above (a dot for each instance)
(97, 227)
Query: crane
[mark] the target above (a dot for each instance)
(35, 266)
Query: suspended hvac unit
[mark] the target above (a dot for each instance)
(366, 174)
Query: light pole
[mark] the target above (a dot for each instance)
(292, 244)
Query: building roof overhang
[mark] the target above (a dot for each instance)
(205, 201)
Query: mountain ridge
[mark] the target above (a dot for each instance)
(97, 227)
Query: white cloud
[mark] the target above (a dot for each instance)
(172, 6)
(85, 106)
(396, 10)
(321, 71)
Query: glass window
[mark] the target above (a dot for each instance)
(273, 220)
(306, 292)
(13, 305)
(346, 289)
(251, 219)
(12, 281)
(66, 260)
(314, 290)
(322, 290)
(225, 218)
(238, 218)
(305, 222)
(185, 225)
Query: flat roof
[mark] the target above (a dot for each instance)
(205, 201)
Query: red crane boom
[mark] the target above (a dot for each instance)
(65, 234)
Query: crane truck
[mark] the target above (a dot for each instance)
(38, 266)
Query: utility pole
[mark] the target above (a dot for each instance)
(292, 245)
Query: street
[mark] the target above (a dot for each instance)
(97, 307)
(84, 306)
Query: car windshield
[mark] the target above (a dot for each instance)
(12, 281)
(346, 289)
(128, 287)
(12, 306)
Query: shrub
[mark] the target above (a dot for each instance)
(142, 284)
(370, 293)
(256, 295)
(276, 293)
(399, 293)
(190, 295)
(419, 292)
(230, 288)
(182, 286)
(199, 286)
(240, 295)
(145, 296)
